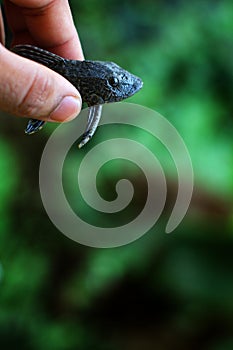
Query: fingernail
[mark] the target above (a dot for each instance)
(67, 109)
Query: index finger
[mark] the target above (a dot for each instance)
(46, 23)
(2, 34)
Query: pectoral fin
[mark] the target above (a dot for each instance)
(93, 120)
(33, 126)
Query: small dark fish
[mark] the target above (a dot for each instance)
(98, 83)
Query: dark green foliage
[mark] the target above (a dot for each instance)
(161, 292)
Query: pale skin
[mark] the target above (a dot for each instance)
(28, 89)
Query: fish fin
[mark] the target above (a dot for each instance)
(33, 126)
(36, 54)
(93, 120)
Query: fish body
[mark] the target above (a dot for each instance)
(98, 82)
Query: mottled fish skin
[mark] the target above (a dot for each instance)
(98, 82)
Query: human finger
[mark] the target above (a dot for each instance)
(46, 23)
(2, 33)
(29, 89)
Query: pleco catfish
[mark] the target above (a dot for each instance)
(98, 82)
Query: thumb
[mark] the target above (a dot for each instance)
(28, 89)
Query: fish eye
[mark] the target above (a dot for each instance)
(113, 81)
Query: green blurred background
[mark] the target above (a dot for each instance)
(163, 291)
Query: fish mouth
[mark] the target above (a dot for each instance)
(137, 85)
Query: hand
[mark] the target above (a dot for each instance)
(28, 89)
